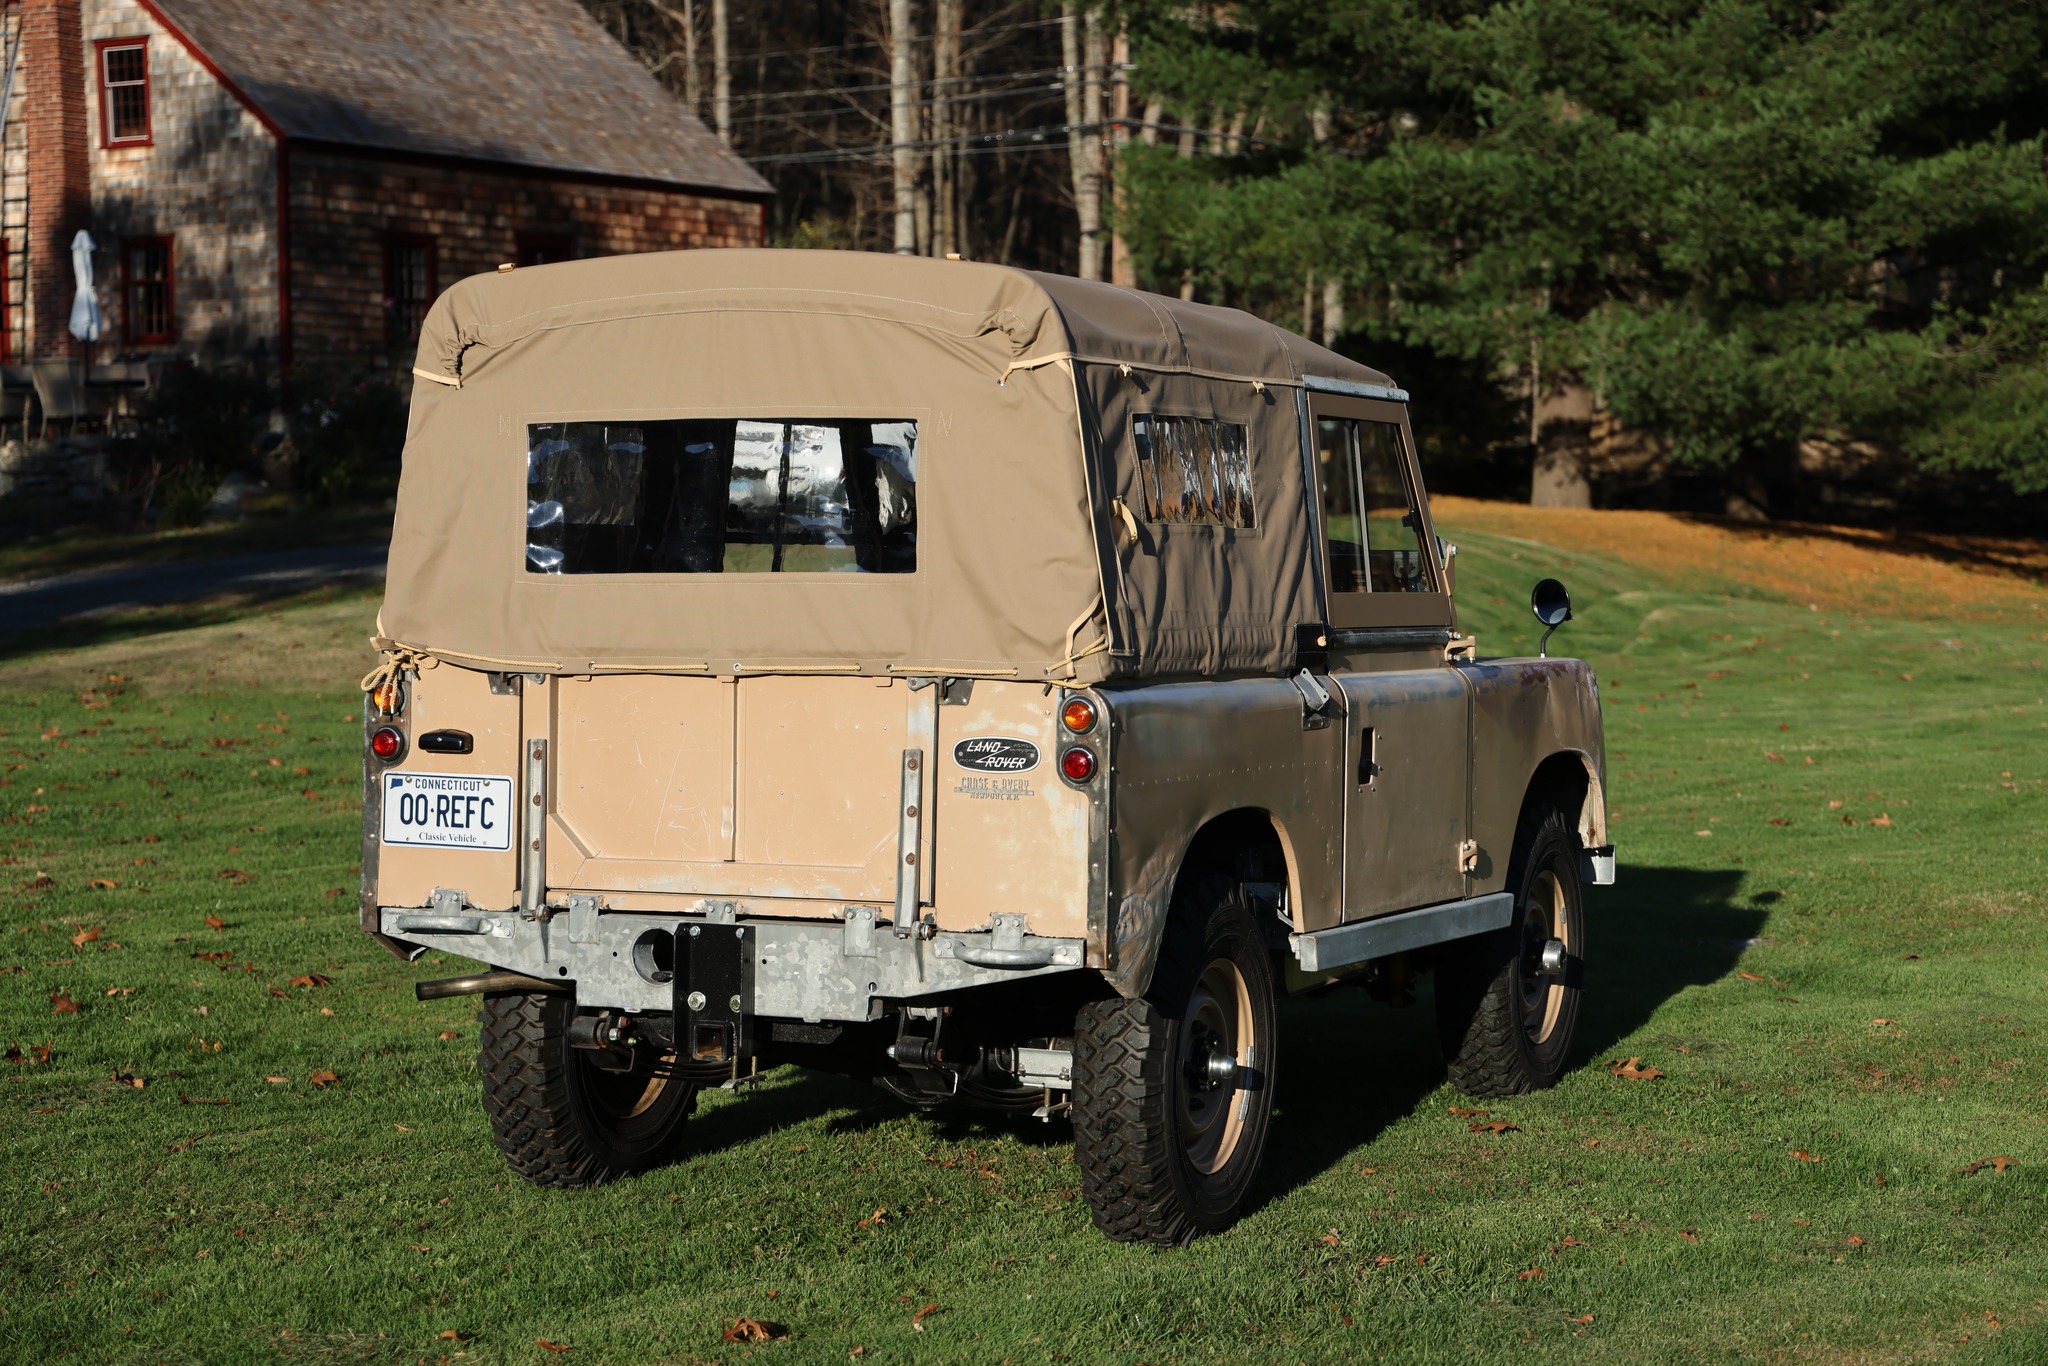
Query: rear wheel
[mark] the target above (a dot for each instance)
(561, 1120)
(1173, 1093)
(1507, 1001)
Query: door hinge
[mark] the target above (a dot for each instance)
(1468, 857)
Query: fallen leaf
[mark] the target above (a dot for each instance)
(878, 1218)
(234, 875)
(1329, 1239)
(450, 1335)
(184, 1099)
(1583, 1318)
(215, 923)
(917, 1319)
(1749, 977)
(1463, 1113)
(1570, 1241)
(38, 1053)
(275, 1079)
(1855, 1240)
(60, 1004)
(1384, 1260)
(1630, 1071)
(1779, 820)
(744, 1329)
(311, 979)
(1803, 1155)
(1883, 822)
(1368, 1171)
(451, 1033)
(1531, 1274)
(1497, 1126)
(1774, 757)
(129, 1079)
(323, 1077)
(551, 1346)
(1883, 1021)
(403, 1128)
(1997, 1164)
(1992, 1319)
(1689, 1235)
(325, 1010)
(87, 935)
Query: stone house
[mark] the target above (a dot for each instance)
(291, 182)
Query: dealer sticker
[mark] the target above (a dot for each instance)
(449, 810)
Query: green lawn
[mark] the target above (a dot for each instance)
(1827, 935)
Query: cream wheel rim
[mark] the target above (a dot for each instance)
(1545, 916)
(1217, 1055)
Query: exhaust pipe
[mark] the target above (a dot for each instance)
(487, 981)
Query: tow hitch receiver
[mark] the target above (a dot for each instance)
(714, 985)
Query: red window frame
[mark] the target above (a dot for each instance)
(101, 50)
(403, 328)
(132, 286)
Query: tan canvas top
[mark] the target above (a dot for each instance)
(1023, 385)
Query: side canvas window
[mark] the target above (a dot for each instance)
(1369, 509)
(1197, 471)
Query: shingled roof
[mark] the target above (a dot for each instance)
(522, 82)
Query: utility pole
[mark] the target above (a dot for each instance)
(902, 157)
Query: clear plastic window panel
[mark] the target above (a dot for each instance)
(722, 496)
(1195, 471)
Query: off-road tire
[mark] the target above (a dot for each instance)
(1133, 1102)
(557, 1118)
(1503, 1028)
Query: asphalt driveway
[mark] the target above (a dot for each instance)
(27, 604)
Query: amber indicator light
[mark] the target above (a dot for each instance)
(1078, 715)
(389, 698)
(387, 744)
(1078, 764)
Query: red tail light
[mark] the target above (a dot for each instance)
(387, 744)
(1078, 764)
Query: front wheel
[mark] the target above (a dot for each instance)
(559, 1119)
(1506, 1002)
(1173, 1093)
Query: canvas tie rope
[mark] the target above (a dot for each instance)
(397, 659)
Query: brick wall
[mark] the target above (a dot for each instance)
(344, 206)
(53, 67)
(207, 181)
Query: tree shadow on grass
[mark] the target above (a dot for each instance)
(1350, 1068)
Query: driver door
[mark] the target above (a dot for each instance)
(1407, 790)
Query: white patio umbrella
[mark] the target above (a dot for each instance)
(86, 318)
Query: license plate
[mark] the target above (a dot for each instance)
(448, 810)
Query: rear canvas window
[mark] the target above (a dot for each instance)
(1196, 470)
(722, 496)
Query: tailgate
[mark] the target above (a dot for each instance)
(775, 786)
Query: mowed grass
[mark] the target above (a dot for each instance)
(1827, 936)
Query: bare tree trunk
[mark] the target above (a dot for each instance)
(1308, 303)
(1122, 270)
(1081, 55)
(945, 75)
(1333, 311)
(1562, 477)
(693, 81)
(902, 157)
(721, 72)
(1155, 114)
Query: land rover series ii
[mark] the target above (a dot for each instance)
(1001, 686)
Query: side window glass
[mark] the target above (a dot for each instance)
(1369, 514)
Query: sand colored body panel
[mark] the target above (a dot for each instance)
(459, 699)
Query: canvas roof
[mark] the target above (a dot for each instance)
(520, 82)
(1024, 385)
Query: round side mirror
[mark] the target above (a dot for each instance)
(1551, 603)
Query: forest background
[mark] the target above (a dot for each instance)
(1750, 257)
